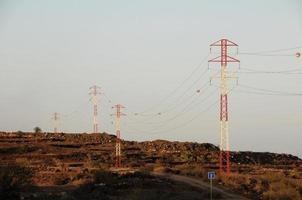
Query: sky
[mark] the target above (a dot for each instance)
(151, 57)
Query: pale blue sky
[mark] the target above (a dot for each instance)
(138, 52)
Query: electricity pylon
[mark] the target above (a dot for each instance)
(55, 122)
(118, 153)
(224, 59)
(94, 98)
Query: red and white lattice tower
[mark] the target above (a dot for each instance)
(94, 98)
(55, 122)
(118, 153)
(224, 59)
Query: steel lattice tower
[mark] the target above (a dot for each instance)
(94, 98)
(55, 122)
(118, 114)
(224, 59)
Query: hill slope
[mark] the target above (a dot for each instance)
(69, 159)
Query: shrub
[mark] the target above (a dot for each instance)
(13, 178)
(37, 129)
(279, 186)
(192, 170)
(19, 133)
(62, 180)
(106, 177)
(283, 193)
(300, 191)
(17, 150)
(234, 180)
(265, 185)
(162, 169)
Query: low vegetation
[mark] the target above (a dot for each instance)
(269, 185)
(13, 179)
(75, 163)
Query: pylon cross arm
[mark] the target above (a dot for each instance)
(219, 59)
(228, 43)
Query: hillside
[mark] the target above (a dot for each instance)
(69, 159)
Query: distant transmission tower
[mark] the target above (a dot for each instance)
(223, 59)
(55, 122)
(118, 114)
(94, 98)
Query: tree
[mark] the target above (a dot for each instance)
(37, 129)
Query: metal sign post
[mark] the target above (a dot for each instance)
(211, 176)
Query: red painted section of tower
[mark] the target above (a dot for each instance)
(224, 116)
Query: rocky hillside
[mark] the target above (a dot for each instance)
(68, 160)
(98, 149)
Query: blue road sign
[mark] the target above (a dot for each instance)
(211, 175)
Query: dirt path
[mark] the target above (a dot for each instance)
(200, 184)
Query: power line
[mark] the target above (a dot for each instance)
(183, 124)
(185, 110)
(268, 91)
(76, 110)
(175, 106)
(262, 93)
(272, 51)
(177, 88)
(179, 98)
(195, 117)
(269, 55)
(200, 90)
(249, 70)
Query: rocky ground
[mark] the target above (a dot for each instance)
(109, 186)
(68, 159)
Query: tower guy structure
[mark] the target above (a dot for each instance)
(224, 59)
(118, 114)
(55, 122)
(94, 98)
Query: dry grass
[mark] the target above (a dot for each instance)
(269, 186)
(266, 184)
(192, 170)
(282, 187)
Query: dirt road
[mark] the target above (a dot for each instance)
(227, 195)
